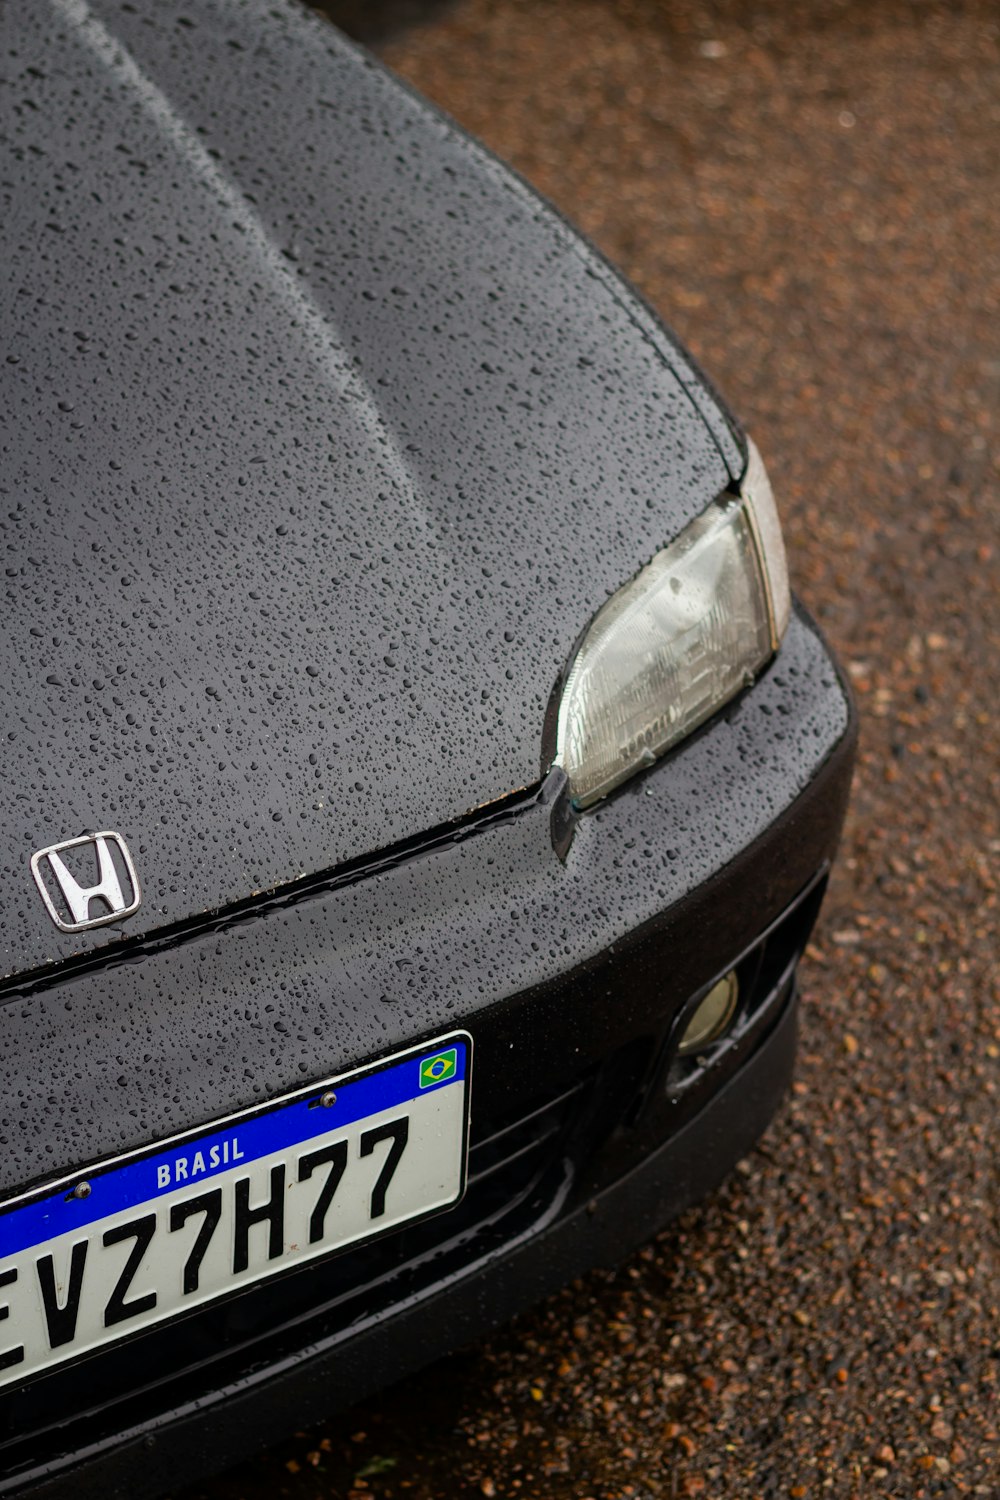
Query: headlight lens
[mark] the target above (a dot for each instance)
(677, 641)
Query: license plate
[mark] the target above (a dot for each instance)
(143, 1238)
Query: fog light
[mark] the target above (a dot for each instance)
(712, 1017)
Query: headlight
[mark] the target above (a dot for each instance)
(676, 642)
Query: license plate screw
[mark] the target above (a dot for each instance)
(328, 1099)
(82, 1190)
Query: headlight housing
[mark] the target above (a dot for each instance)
(677, 641)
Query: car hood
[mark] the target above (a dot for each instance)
(323, 438)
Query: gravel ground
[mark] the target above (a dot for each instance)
(811, 194)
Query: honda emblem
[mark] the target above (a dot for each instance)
(69, 900)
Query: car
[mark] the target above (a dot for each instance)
(420, 785)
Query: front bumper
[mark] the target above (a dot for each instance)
(569, 975)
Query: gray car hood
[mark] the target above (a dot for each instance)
(322, 440)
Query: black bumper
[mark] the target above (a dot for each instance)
(337, 1372)
(715, 859)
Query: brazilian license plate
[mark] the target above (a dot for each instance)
(142, 1238)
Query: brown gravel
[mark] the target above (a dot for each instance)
(811, 194)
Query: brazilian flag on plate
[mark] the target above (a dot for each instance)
(439, 1068)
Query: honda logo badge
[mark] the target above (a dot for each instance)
(69, 900)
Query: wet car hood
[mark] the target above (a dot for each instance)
(312, 415)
